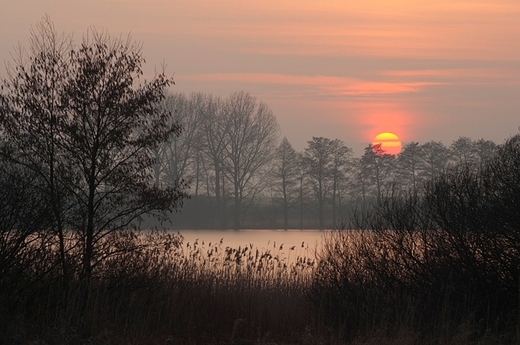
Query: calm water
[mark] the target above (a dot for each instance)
(273, 240)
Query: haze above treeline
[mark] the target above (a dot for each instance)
(243, 173)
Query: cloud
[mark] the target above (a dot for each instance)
(466, 76)
(327, 85)
(397, 28)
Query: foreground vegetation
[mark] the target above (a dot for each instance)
(367, 287)
(160, 289)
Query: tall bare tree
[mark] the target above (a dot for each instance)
(285, 174)
(484, 150)
(213, 125)
(180, 152)
(32, 116)
(251, 136)
(341, 156)
(111, 127)
(409, 165)
(435, 156)
(377, 167)
(303, 188)
(317, 161)
(462, 151)
(77, 116)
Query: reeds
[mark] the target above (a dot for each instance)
(153, 287)
(361, 287)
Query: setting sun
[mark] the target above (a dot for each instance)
(390, 143)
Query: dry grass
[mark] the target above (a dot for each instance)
(161, 288)
(157, 289)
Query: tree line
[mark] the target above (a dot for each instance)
(77, 119)
(241, 174)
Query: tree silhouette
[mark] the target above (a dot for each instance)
(340, 155)
(435, 156)
(317, 161)
(213, 140)
(251, 135)
(76, 117)
(33, 112)
(409, 165)
(377, 167)
(285, 173)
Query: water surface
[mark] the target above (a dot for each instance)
(285, 241)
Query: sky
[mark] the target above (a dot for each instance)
(422, 69)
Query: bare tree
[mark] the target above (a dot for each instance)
(251, 135)
(462, 151)
(340, 155)
(484, 150)
(180, 152)
(409, 165)
(108, 135)
(435, 156)
(285, 174)
(76, 116)
(33, 112)
(213, 140)
(377, 167)
(317, 160)
(303, 189)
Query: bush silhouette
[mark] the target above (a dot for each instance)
(442, 264)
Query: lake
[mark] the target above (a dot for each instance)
(302, 242)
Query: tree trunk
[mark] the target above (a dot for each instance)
(320, 205)
(220, 208)
(285, 207)
(236, 215)
(334, 204)
(301, 203)
(89, 235)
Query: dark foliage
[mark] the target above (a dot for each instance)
(431, 264)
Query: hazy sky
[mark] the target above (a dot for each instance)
(423, 69)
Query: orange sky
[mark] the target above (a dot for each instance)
(425, 70)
